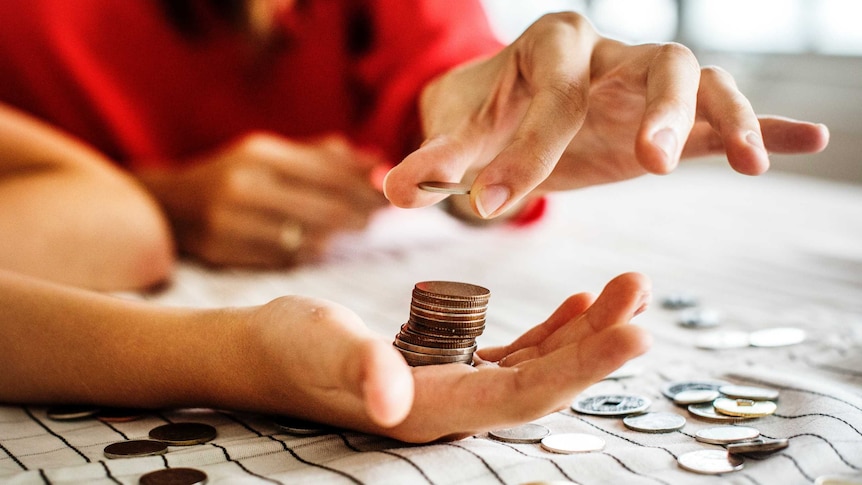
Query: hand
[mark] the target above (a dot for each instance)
(563, 108)
(265, 201)
(316, 360)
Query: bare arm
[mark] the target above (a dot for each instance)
(68, 215)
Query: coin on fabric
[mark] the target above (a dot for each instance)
(174, 476)
(749, 392)
(696, 396)
(654, 422)
(612, 405)
(299, 427)
(133, 448)
(72, 412)
(759, 446)
(678, 301)
(699, 318)
(183, 434)
(707, 411)
(671, 389)
(710, 462)
(723, 340)
(567, 443)
(722, 435)
(855, 479)
(527, 433)
(445, 188)
(777, 337)
(119, 415)
(745, 408)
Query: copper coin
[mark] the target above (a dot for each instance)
(174, 476)
(183, 434)
(133, 448)
(72, 412)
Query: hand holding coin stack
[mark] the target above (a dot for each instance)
(445, 319)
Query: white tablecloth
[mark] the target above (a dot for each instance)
(775, 250)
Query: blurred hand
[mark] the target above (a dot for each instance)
(563, 107)
(266, 201)
(316, 360)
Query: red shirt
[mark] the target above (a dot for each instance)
(116, 73)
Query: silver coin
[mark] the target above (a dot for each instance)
(696, 396)
(758, 446)
(723, 340)
(133, 448)
(671, 389)
(699, 318)
(568, 443)
(527, 433)
(174, 476)
(710, 462)
(654, 422)
(707, 411)
(722, 435)
(839, 480)
(183, 434)
(749, 392)
(745, 408)
(445, 188)
(72, 412)
(299, 427)
(777, 337)
(677, 301)
(612, 405)
(119, 415)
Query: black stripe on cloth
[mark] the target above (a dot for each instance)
(109, 474)
(603, 430)
(390, 453)
(493, 472)
(241, 466)
(823, 415)
(289, 449)
(13, 457)
(115, 430)
(556, 465)
(44, 477)
(837, 453)
(50, 431)
(796, 464)
(750, 478)
(630, 470)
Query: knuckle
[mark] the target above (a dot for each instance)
(559, 21)
(716, 73)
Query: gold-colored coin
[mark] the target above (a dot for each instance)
(745, 408)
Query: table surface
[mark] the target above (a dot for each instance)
(771, 251)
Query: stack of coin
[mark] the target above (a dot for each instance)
(445, 319)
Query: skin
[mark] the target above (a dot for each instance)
(280, 358)
(563, 108)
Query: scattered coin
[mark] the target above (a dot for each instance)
(654, 422)
(777, 337)
(745, 408)
(72, 412)
(567, 443)
(183, 434)
(722, 435)
(445, 188)
(134, 448)
(749, 392)
(527, 433)
(678, 301)
(671, 389)
(299, 427)
(174, 476)
(710, 462)
(707, 411)
(759, 446)
(119, 415)
(839, 480)
(699, 318)
(696, 396)
(723, 340)
(612, 405)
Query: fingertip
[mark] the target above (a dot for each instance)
(659, 152)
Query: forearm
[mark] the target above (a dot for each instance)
(67, 215)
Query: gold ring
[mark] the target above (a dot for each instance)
(290, 237)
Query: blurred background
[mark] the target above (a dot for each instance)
(797, 58)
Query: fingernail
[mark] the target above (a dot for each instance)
(667, 141)
(383, 184)
(491, 198)
(755, 140)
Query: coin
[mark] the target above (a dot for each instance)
(723, 340)
(760, 446)
(133, 448)
(174, 476)
(299, 427)
(72, 412)
(707, 411)
(183, 434)
(777, 337)
(671, 389)
(527, 433)
(567, 443)
(612, 405)
(722, 435)
(119, 415)
(749, 392)
(710, 462)
(695, 396)
(744, 407)
(839, 480)
(445, 188)
(699, 318)
(677, 301)
(654, 422)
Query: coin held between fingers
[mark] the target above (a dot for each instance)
(291, 236)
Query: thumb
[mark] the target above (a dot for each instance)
(386, 383)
